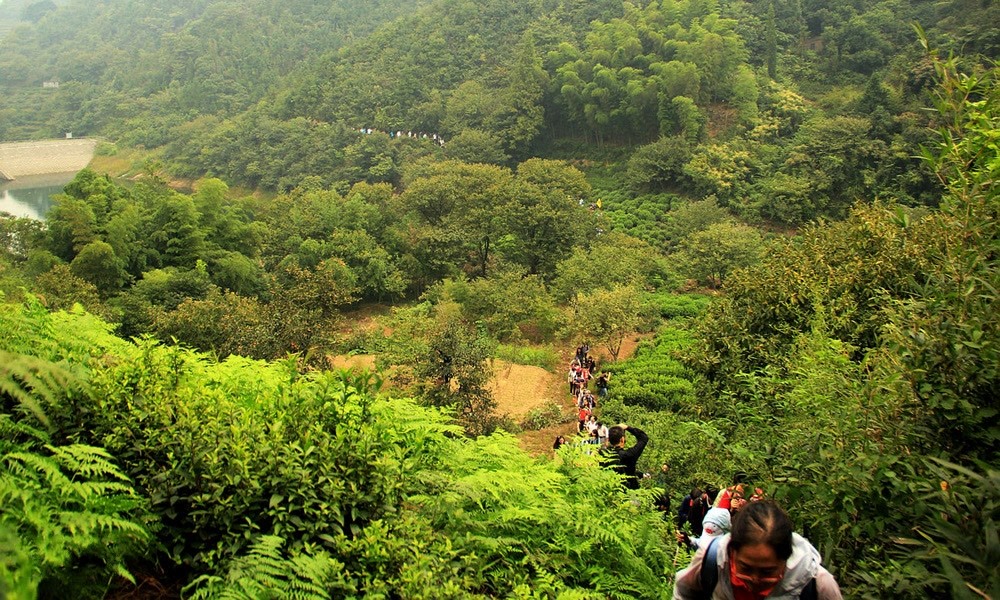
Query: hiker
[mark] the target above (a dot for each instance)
(602, 385)
(693, 509)
(662, 505)
(621, 460)
(560, 440)
(717, 522)
(733, 492)
(760, 558)
(663, 477)
(583, 416)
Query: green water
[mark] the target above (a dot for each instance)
(32, 196)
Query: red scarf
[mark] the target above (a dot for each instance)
(742, 591)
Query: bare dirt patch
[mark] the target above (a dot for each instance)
(353, 362)
(518, 388)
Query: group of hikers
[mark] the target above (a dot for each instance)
(581, 371)
(745, 549)
(420, 135)
(744, 544)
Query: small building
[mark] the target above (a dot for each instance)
(51, 84)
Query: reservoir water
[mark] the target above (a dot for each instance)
(31, 196)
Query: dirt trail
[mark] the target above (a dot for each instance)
(518, 389)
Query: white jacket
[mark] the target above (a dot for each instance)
(802, 566)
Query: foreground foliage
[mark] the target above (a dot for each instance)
(261, 476)
(856, 357)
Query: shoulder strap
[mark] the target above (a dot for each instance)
(709, 575)
(809, 592)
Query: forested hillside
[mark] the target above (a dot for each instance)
(792, 203)
(135, 71)
(782, 111)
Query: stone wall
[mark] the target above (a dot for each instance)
(18, 159)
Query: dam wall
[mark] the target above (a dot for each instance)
(43, 157)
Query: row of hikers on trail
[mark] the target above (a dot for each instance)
(416, 135)
(744, 547)
(581, 371)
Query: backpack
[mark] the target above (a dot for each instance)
(709, 575)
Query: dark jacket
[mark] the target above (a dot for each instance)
(692, 513)
(623, 460)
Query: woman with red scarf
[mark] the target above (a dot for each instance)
(760, 558)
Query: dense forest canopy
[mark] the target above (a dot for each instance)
(793, 202)
(783, 110)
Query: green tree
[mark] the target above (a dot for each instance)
(98, 264)
(60, 289)
(607, 316)
(710, 255)
(659, 166)
(237, 273)
(175, 230)
(827, 170)
(688, 218)
(720, 170)
(71, 225)
(465, 207)
(771, 41)
(612, 259)
(18, 236)
(544, 224)
(374, 269)
(371, 159)
(843, 273)
(455, 371)
(510, 305)
(949, 335)
(476, 146)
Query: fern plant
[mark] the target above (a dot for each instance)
(268, 571)
(29, 385)
(63, 506)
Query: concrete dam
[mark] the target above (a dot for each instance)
(43, 157)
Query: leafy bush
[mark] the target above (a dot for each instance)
(268, 571)
(313, 483)
(69, 517)
(532, 356)
(549, 414)
(653, 378)
(232, 449)
(956, 529)
(672, 306)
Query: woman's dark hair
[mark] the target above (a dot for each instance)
(762, 523)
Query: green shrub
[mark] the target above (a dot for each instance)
(672, 306)
(546, 415)
(955, 532)
(531, 356)
(267, 480)
(268, 571)
(226, 451)
(106, 149)
(653, 378)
